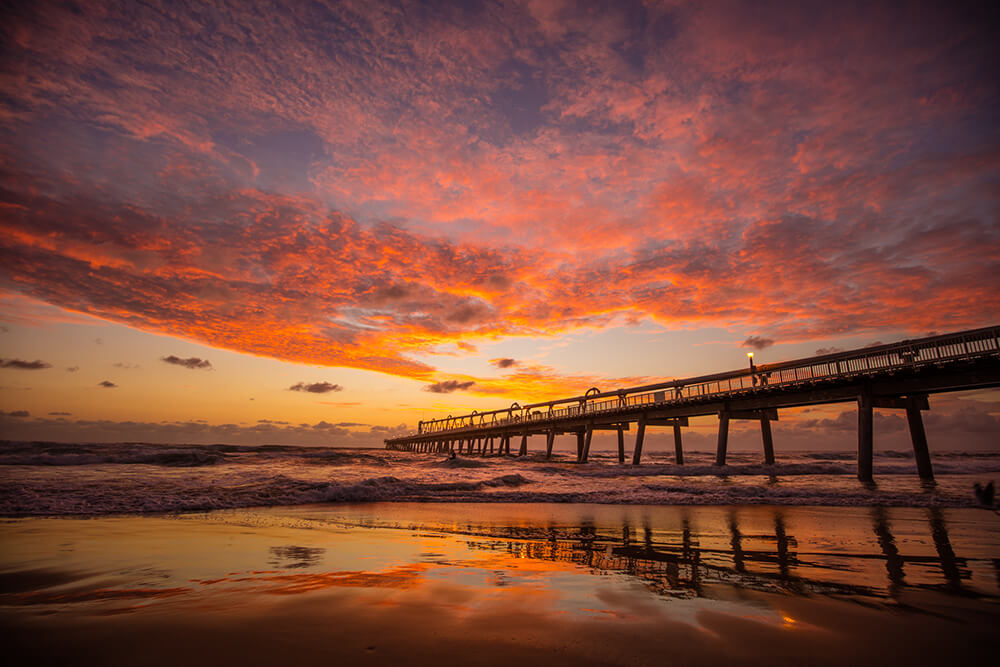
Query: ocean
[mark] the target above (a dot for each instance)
(74, 479)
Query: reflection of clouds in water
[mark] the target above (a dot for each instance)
(291, 557)
(400, 578)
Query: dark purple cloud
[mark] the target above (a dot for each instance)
(107, 384)
(20, 364)
(757, 342)
(316, 387)
(505, 362)
(448, 386)
(190, 362)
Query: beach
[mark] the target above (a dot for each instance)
(496, 583)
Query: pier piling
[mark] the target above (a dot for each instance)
(640, 434)
(919, 438)
(678, 448)
(765, 435)
(723, 444)
(866, 436)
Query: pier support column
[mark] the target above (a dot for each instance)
(866, 437)
(640, 435)
(678, 448)
(765, 435)
(720, 451)
(523, 451)
(550, 439)
(579, 444)
(621, 445)
(919, 438)
(588, 436)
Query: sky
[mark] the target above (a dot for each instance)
(318, 223)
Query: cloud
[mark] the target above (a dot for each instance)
(72, 369)
(107, 384)
(316, 387)
(504, 362)
(15, 413)
(190, 362)
(60, 414)
(828, 350)
(448, 386)
(538, 204)
(20, 364)
(757, 342)
(125, 365)
(326, 434)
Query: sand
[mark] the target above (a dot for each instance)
(504, 584)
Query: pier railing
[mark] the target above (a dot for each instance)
(874, 360)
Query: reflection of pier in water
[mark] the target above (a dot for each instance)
(758, 561)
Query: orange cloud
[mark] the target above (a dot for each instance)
(418, 184)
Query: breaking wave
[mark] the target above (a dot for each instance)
(98, 479)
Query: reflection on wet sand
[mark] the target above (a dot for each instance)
(678, 565)
(500, 585)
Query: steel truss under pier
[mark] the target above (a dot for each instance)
(898, 376)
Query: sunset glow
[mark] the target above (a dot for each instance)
(319, 224)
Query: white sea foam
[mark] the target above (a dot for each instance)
(141, 478)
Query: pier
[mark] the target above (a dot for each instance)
(899, 376)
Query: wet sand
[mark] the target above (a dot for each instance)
(498, 584)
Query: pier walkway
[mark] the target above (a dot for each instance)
(897, 376)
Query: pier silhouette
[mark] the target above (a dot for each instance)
(895, 376)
